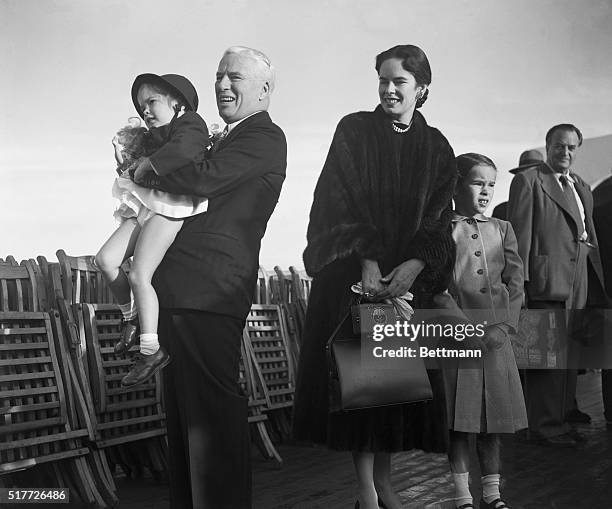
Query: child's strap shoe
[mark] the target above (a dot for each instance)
(130, 330)
(145, 367)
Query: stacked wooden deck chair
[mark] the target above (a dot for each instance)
(253, 387)
(267, 348)
(44, 428)
(128, 423)
(263, 293)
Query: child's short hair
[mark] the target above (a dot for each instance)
(465, 162)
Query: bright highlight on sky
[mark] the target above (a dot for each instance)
(503, 73)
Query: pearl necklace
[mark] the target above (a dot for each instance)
(398, 129)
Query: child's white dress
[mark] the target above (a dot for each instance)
(170, 147)
(142, 202)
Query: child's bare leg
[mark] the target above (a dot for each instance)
(488, 449)
(118, 248)
(459, 451)
(155, 238)
(459, 458)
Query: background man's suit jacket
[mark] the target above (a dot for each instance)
(212, 265)
(602, 216)
(548, 232)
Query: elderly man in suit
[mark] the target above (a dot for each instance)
(551, 208)
(206, 283)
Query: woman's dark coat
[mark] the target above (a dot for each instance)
(384, 196)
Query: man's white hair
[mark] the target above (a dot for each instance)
(264, 62)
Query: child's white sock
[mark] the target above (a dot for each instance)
(128, 311)
(490, 487)
(149, 344)
(462, 489)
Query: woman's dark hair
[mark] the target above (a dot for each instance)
(465, 162)
(414, 61)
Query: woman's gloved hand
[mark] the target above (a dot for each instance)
(371, 277)
(400, 279)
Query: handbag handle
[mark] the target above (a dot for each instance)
(328, 350)
(333, 334)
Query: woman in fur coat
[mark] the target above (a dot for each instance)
(381, 215)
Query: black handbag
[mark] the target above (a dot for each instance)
(353, 385)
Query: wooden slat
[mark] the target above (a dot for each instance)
(26, 426)
(27, 376)
(25, 360)
(32, 462)
(133, 437)
(28, 408)
(128, 422)
(28, 392)
(23, 331)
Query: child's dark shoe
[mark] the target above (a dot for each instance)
(130, 330)
(145, 367)
(498, 503)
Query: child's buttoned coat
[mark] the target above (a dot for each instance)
(485, 395)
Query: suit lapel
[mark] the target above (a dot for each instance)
(260, 116)
(551, 187)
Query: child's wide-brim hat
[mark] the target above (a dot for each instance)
(176, 84)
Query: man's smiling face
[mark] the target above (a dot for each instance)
(240, 87)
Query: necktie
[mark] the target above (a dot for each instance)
(571, 200)
(219, 139)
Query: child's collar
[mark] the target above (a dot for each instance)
(477, 217)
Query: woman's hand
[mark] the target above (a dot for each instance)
(371, 279)
(401, 278)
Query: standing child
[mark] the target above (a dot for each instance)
(484, 396)
(151, 219)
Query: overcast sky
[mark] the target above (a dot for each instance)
(503, 73)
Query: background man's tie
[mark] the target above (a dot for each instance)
(571, 200)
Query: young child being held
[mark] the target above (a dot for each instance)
(484, 395)
(151, 219)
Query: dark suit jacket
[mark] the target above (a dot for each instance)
(501, 211)
(548, 232)
(602, 216)
(212, 265)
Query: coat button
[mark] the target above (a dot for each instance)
(480, 271)
(572, 259)
(477, 253)
(475, 236)
(483, 290)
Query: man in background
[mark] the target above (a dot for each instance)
(551, 210)
(528, 159)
